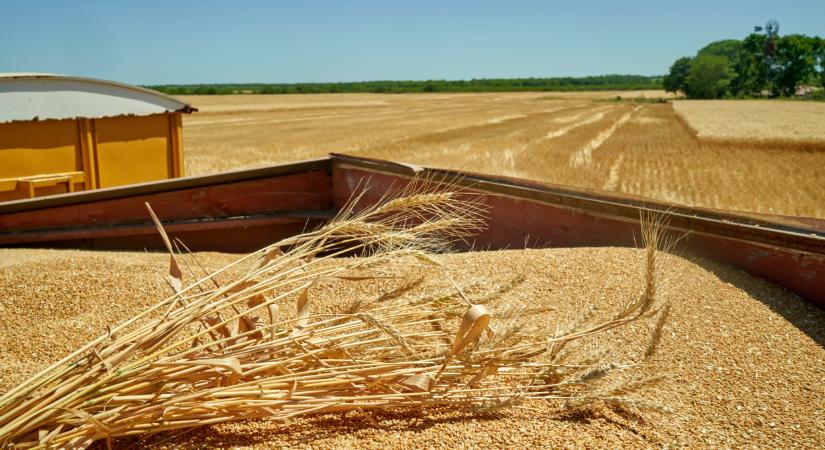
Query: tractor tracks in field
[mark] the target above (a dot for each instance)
(513, 143)
(599, 115)
(584, 155)
(613, 177)
(499, 127)
(525, 160)
(512, 155)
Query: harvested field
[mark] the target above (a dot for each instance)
(252, 131)
(581, 139)
(745, 360)
(754, 119)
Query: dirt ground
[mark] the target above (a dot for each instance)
(744, 360)
(587, 140)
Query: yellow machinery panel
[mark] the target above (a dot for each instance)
(133, 149)
(34, 148)
(50, 157)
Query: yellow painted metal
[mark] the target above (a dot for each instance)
(57, 156)
(36, 148)
(40, 185)
(133, 149)
(86, 133)
(176, 139)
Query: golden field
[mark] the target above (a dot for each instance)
(754, 119)
(764, 156)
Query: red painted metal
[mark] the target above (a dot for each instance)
(239, 234)
(287, 193)
(257, 206)
(221, 236)
(245, 210)
(526, 214)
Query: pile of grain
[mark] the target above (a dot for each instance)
(745, 359)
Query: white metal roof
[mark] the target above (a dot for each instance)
(38, 96)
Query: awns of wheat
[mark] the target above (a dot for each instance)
(253, 348)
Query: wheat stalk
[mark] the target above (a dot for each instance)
(204, 355)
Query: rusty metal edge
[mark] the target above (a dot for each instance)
(57, 235)
(699, 220)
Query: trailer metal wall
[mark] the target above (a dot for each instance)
(246, 210)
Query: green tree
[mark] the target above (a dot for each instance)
(731, 50)
(753, 71)
(709, 77)
(796, 61)
(728, 48)
(676, 79)
(819, 58)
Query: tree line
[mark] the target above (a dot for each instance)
(560, 84)
(763, 64)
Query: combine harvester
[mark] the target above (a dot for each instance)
(245, 210)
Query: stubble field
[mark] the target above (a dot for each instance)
(586, 140)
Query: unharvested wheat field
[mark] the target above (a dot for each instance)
(765, 157)
(755, 119)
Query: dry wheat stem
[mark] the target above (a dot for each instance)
(207, 358)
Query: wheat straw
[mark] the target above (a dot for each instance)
(233, 351)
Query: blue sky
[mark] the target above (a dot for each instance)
(311, 41)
